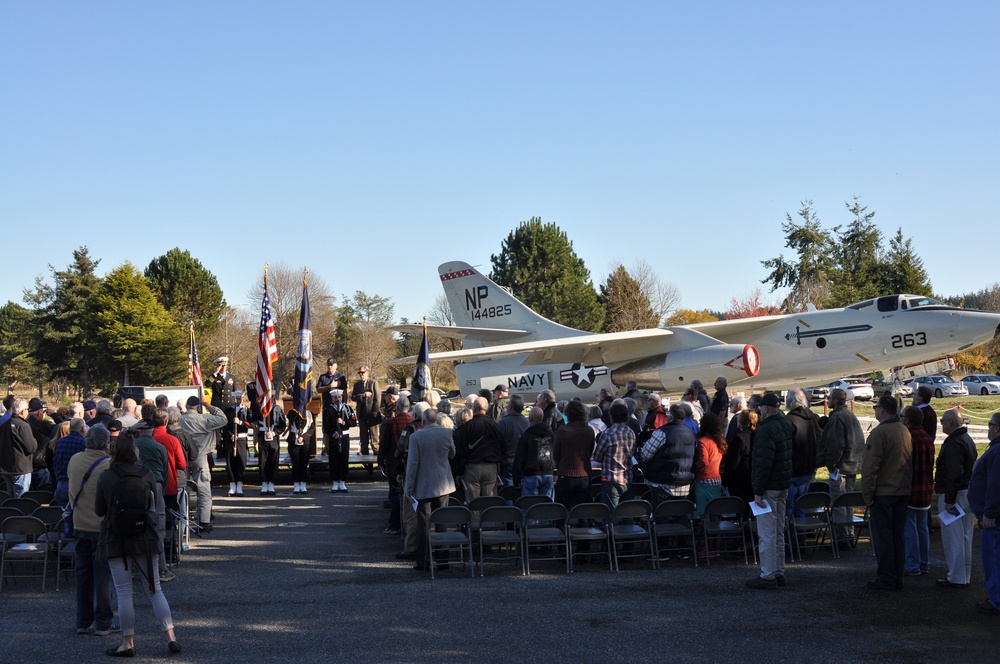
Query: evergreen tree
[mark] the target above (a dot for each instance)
(859, 264)
(808, 277)
(903, 271)
(18, 347)
(537, 263)
(134, 333)
(626, 306)
(187, 290)
(65, 346)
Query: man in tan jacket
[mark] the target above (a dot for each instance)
(886, 475)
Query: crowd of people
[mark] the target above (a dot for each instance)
(762, 449)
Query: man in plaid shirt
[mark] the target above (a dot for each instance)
(614, 452)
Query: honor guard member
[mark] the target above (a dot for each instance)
(236, 446)
(266, 435)
(331, 380)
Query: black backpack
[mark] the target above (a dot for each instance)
(543, 454)
(130, 504)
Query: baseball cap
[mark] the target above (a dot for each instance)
(770, 400)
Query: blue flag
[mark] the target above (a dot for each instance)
(422, 374)
(302, 389)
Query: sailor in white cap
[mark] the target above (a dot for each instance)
(336, 426)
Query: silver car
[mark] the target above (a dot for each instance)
(941, 386)
(882, 388)
(981, 384)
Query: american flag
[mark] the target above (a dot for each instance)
(267, 354)
(194, 367)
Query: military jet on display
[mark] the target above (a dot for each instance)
(505, 342)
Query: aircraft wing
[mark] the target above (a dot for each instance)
(454, 332)
(734, 331)
(611, 349)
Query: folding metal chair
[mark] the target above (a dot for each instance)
(542, 529)
(453, 521)
(816, 521)
(25, 505)
(43, 497)
(500, 527)
(631, 526)
(28, 553)
(589, 522)
(674, 519)
(851, 502)
(723, 519)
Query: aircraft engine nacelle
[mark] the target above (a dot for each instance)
(674, 371)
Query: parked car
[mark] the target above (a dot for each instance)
(856, 388)
(817, 395)
(942, 386)
(881, 388)
(981, 384)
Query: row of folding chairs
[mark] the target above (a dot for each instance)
(29, 539)
(821, 520)
(526, 531)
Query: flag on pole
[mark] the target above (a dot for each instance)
(422, 374)
(194, 367)
(302, 389)
(267, 354)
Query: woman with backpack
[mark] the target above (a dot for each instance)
(129, 541)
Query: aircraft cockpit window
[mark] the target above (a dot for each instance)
(915, 302)
(888, 303)
(861, 306)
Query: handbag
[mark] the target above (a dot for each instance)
(68, 530)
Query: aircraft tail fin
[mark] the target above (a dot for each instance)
(477, 302)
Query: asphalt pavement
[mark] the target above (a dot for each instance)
(313, 579)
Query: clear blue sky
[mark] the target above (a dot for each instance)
(371, 141)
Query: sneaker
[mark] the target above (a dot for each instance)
(760, 583)
(102, 632)
(915, 572)
(83, 630)
(167, 577)
(391, 531)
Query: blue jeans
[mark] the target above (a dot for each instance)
(798, 488)
(61, 495)
(505, 474)
(18, 484)
(537, 485)
(611, 493)
(990, 540)
(918, 541)
(93, 587)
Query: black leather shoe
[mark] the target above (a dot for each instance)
(115, 652)
(206, 527)
(173, 647)
(945, 583)
(403, 555)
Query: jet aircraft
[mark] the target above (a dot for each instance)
(505, 342)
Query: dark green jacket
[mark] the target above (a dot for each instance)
(771, 465)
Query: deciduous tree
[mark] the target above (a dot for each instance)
(689, 316)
